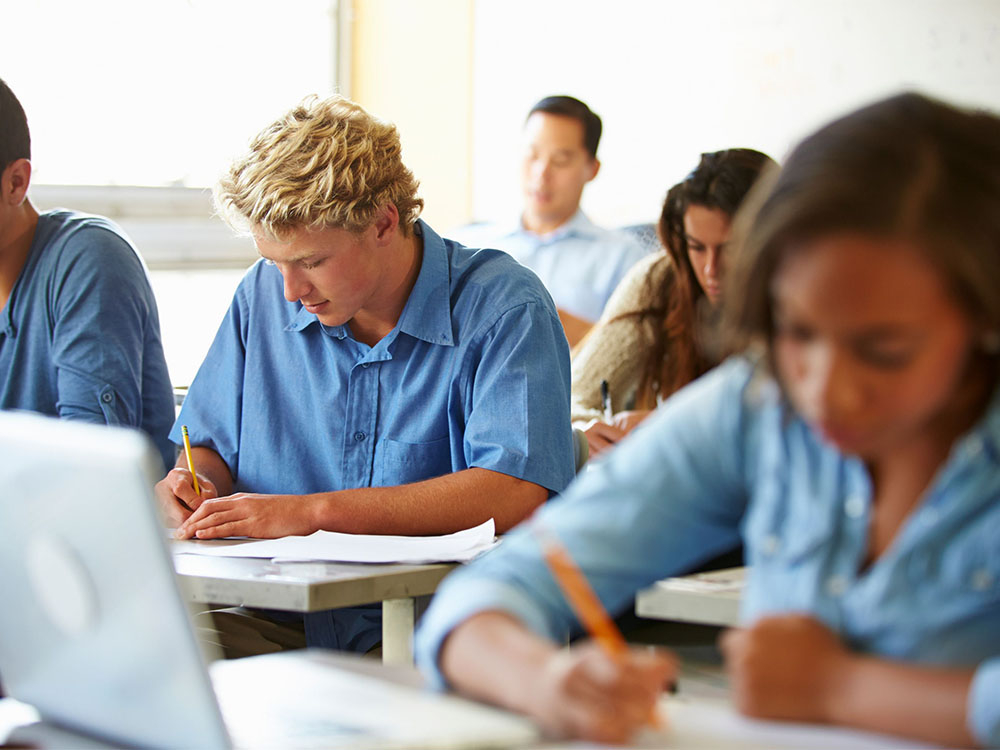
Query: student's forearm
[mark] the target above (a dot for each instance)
(209, 464)
(436, 506)
(922, 702)
(494, 658)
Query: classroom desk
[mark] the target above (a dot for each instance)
(316, 586)
(711, 598)
(698, 716)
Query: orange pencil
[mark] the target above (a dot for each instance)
(585, 603)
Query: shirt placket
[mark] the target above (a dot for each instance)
(359, 428)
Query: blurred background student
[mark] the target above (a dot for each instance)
(579, 262)
(854, 447)
(650, 339)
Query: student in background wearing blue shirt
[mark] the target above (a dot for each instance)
(79, 329)
(856, 453)
(579, 262)
(370, 376)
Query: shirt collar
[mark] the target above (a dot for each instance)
(427, 313)
(577, 226)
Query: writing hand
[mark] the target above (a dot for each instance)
(626, 421)
(176, 490)
(601, 436)
(784, 667)
(251, 515)
(585, 693)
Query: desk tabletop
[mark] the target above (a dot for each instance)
(301, 586)
(699, 716)
(711, 598)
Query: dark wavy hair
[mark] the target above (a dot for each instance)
(678, 354)
(908, 167)
(15, 141)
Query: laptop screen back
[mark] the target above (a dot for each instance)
(93, 630)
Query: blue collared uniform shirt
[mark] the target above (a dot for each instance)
(580, 263)
(475, 374)
(80, 333)
(726, 458)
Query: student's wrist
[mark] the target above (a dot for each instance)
(836, 683)
(322, 509)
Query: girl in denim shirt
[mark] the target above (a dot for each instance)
(854, 449)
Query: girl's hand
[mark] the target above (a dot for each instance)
(784, 667)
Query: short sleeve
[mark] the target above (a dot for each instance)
(213, 405)
(519, 421)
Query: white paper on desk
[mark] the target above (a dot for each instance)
(711, 723)
(333, 546)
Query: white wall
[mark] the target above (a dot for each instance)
(674, 78)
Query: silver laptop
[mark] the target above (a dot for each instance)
(94, 632)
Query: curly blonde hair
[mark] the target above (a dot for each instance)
(327, 163)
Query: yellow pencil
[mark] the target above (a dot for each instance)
(187, 451)
(585, 602)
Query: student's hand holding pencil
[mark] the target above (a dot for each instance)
(183, 490)
(177, 495)
(584, 692)
(629, 681)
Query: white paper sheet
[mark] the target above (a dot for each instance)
(710, 723)
(331, 546)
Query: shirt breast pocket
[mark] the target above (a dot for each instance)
(403, 463)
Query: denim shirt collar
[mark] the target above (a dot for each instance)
(427, 313)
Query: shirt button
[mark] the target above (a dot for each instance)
(107, 398)
(359, 436)
(770, 544)
(982, 579)
(366, 365)
(854, 506)
(836, 585)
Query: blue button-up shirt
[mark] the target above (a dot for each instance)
(80, 333)
(475, 374)
(726, 457)
(580, 263)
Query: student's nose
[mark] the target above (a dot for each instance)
(541, 169)
(833, 388)
(296, 287)
(713, 264)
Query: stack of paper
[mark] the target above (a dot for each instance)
(332, 546)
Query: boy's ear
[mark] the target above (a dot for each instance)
(14, 182)
(386, 222)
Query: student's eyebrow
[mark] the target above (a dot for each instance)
(305, 257)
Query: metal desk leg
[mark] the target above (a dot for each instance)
(398, 616)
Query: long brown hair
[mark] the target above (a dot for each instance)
(678, 355)
(908, 167)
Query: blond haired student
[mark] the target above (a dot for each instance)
(854, 449)
(370, 376)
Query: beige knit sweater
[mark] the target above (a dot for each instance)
(615, 350)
